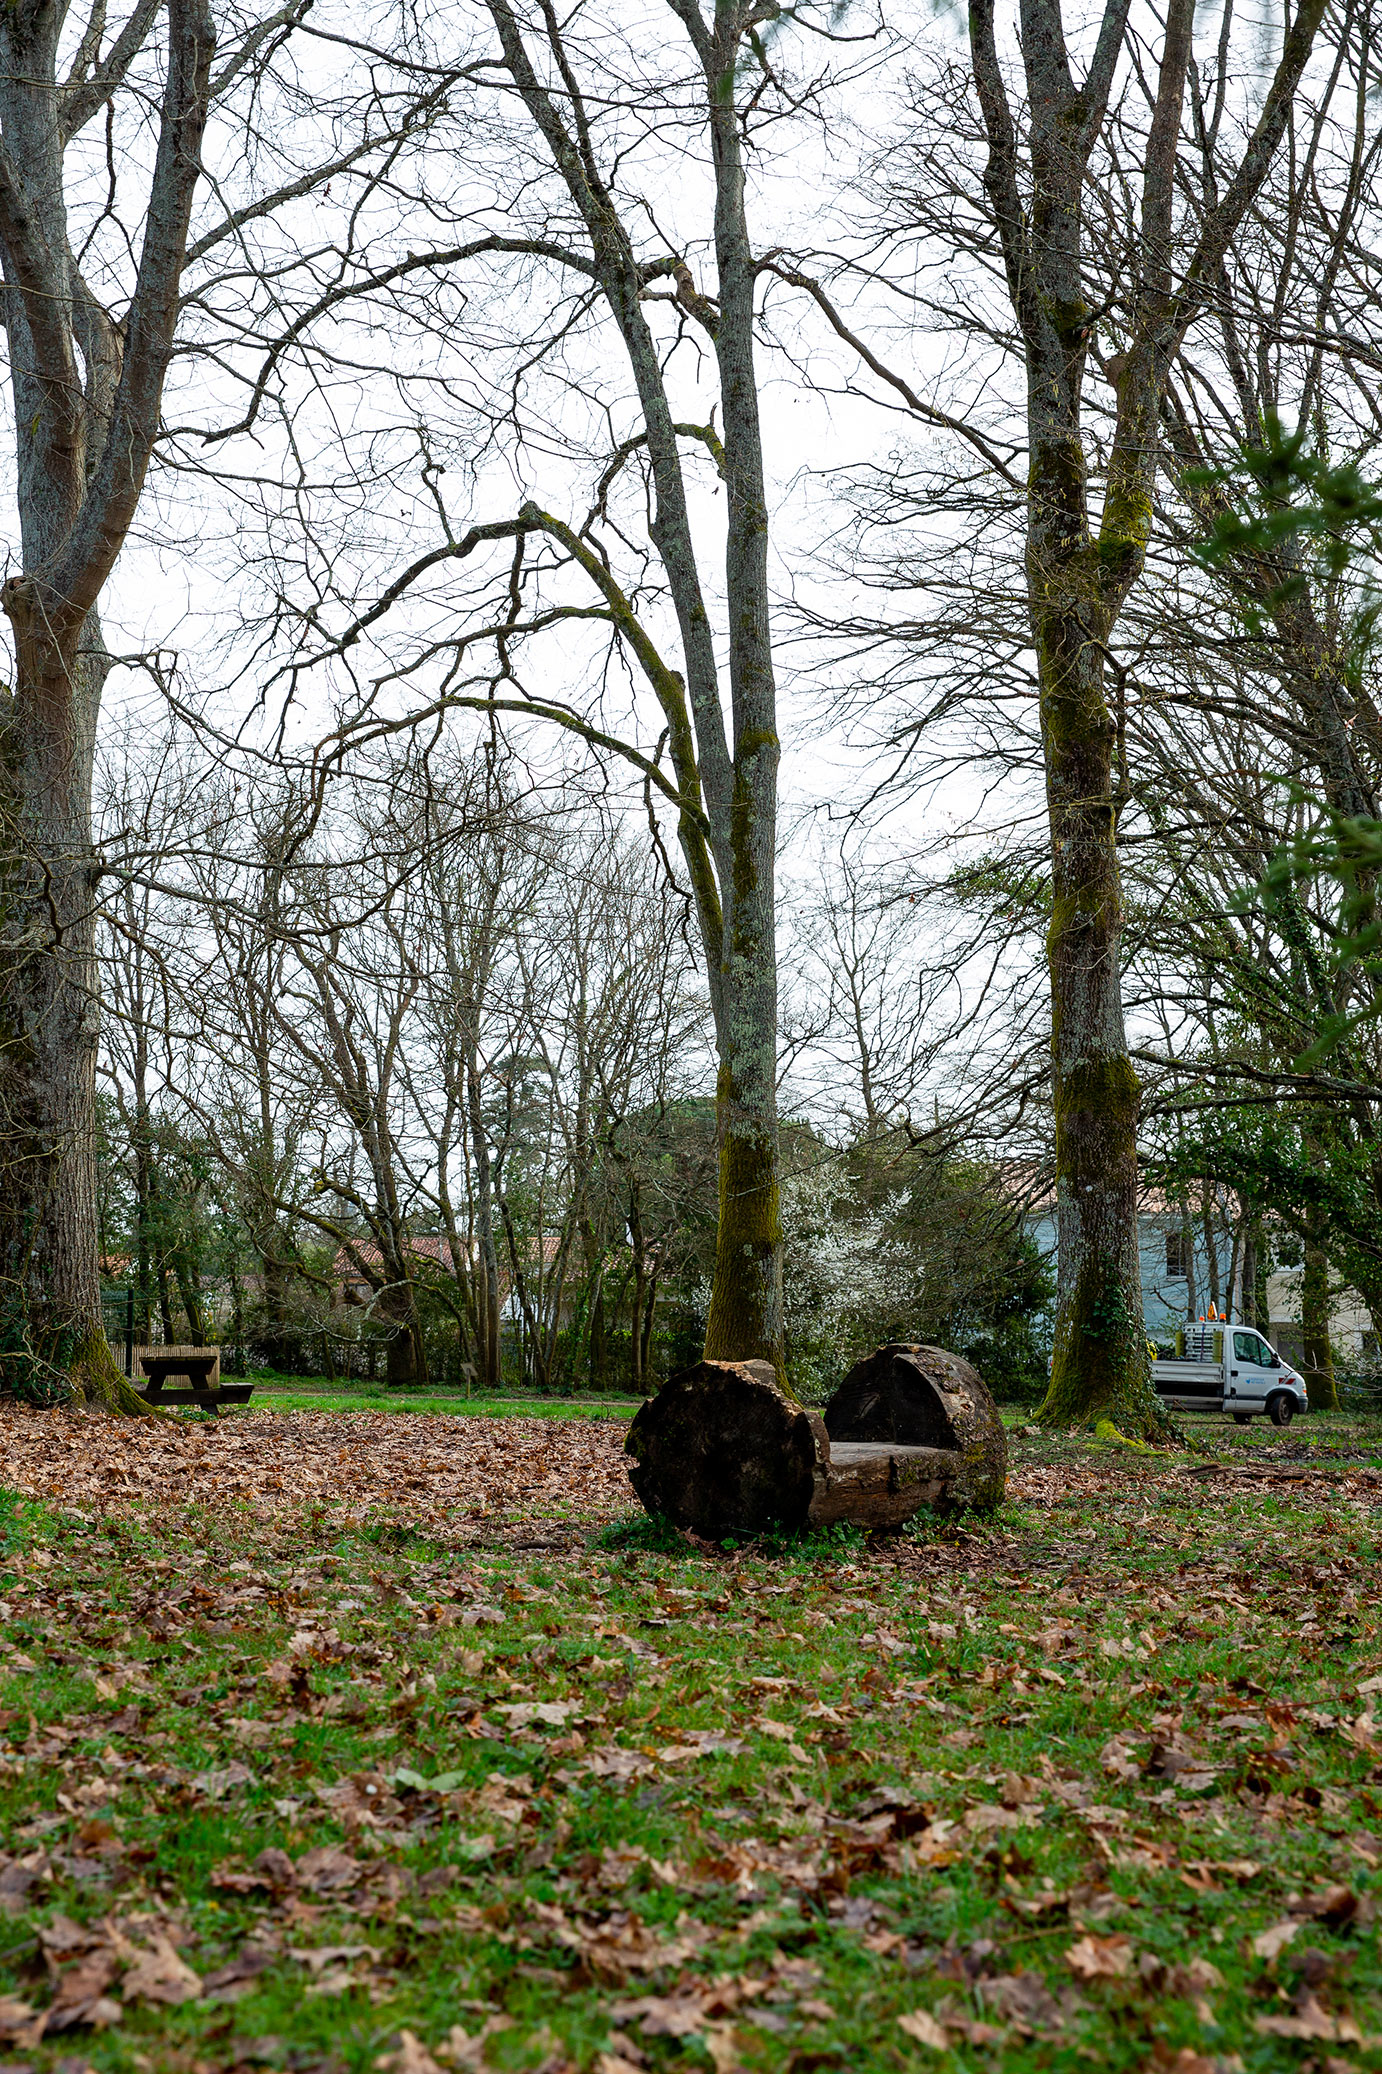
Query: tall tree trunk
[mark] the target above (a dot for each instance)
(237, 1324)
(1187, 1247)
(49, 1017)
(400, 1363)
(165, 1303)
(1211, 1249)
(1099, 1358)
(274, 1304)
(1261, 1311)
(1318, 1354)
(87, 394)
(487, 1291)
(649, 1316)
(598, 1366)
(636, 1377)
(745, 1320)
(1235, 1266)
(144, 1280)
(190, 1295)
(1246, 1309)
(406, 1357)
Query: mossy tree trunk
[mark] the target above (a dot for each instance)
(51, 1300)
(87, 392)
(406, 1358)
(1078, 579)
(1099, 1365)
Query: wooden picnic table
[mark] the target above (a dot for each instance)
(198, 1367)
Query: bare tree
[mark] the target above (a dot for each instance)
(1111, 196)
(107, 278)
(1079, 578)
(580, 110)
(87, 385)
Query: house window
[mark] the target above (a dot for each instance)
(1177, 1262)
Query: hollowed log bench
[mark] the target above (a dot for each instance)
(199, 1367)
(722, 1448)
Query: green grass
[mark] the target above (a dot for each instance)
(312, 1393)
(1028, 1778)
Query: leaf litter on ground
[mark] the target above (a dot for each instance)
(310, 1759)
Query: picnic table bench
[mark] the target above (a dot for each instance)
(198, 1367)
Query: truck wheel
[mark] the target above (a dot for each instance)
(1282, 1409)
(1242, 1418)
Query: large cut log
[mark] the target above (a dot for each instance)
(722, 1449)
(924, 1397)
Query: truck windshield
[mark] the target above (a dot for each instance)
(1248, 1347)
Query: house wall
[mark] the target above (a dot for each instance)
(1164, 1295)
(1164, 1299)
(1351, 1331)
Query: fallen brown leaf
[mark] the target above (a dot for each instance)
(155, 1973)
(1339, 1907)
(237, 1977)
(920, 2025)
(1309, 2021)
(1022, 1999)
(621, 1943)
(412, 2057)
(1268, 1943)
(20, 2023)
(1100, 1958)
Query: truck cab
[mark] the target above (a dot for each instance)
(1258, 1380)
(1229, 1368)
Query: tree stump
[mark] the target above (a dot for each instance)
(923, 1397)
(722, 1449)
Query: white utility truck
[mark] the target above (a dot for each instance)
(1222, 1367)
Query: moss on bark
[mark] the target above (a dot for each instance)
(97, 1380)
(745, 1320)
(1100, 1369)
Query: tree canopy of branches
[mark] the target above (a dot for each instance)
(474, 317)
